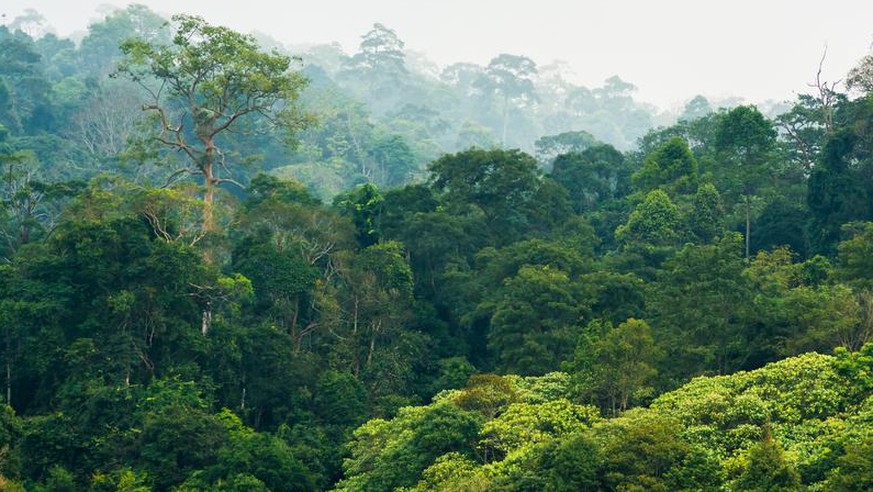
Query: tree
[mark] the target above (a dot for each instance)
(645, 451)
(700, 302)
(744, 140)
(390, 455)
(394, 160)
(210, 79)
(593, 176)
(654, 222)
(511, 78)
(364, 205)
(551, 146)
(103, 126)
(378, 72)
(767, 469)
(535, 322)
(861, 76)
(855, 266)
(502, 184)
(672, 167)
(572, 464)
(706, 218)
(24, 92)
(855, 471)
(625, 364)
(98, 51)
(382, 50)
(837, 188)
(696, 108)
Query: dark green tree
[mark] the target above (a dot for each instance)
(500, 184)
(744, 142)
(700, 303)
(593, 177)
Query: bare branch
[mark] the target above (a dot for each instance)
(172, 178)
(229, 180)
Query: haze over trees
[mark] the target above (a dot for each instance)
(225, 268)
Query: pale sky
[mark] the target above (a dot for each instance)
(670, 49)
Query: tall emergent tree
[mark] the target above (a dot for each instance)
(511, 78)
(744, 140)
(204, 84)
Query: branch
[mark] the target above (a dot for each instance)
(231, 181)
(172, 177)
(231, 119)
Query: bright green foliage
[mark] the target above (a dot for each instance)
(654, 222)
(802, 400)
(704, 436)
(646, 452)
(526, 424)
(706, 219)
(855, 469)
(122, 480)
(624, 365)
(671, 168)
(450, 472)
(390, 454)
(768, 470)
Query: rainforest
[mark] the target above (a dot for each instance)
(228, 265)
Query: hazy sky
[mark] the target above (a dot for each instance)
(670, 49)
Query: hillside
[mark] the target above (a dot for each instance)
(803, 423)
(223, 268)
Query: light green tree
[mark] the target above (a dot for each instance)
(207, 83)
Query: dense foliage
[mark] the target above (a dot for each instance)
(350, 273)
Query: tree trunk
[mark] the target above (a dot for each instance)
(748, 224)
(209, 180)
(8, 367)
(208, 224)
(206, 322)
(8, 382)
(505, 120)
